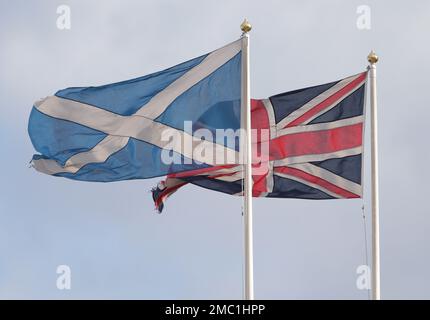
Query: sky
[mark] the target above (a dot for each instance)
(118, 247)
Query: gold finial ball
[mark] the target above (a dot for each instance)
(372, 57)
(245, 26)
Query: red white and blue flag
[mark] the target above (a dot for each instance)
(315, 147)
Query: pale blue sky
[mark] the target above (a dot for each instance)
(109, 234)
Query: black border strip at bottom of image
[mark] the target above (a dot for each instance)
(215, 309)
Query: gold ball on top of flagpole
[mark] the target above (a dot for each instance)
(372, 57)
(245, 26)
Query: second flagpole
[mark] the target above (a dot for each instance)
(247, 214)
(376, 286)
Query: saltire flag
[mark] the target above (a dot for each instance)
(315, 147)
(114, 132)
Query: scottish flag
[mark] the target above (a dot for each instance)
(115, 132)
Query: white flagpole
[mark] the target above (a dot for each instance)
(376, 289)
(247, 215)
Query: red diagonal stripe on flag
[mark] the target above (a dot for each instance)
(330, 100)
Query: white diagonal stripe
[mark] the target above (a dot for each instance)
(98, 154)
(334, 104)
(318, 157)
(321, 126)
(230, 178)
(313, 185)
(222, 171)
(271, 116)
(329, 176)
(317, 100)
(269, 178)
(159, 103)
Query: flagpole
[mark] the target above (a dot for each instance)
(247, 215)
(376, 289)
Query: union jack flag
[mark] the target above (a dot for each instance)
(315, 147)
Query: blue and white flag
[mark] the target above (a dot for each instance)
(115, 132)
